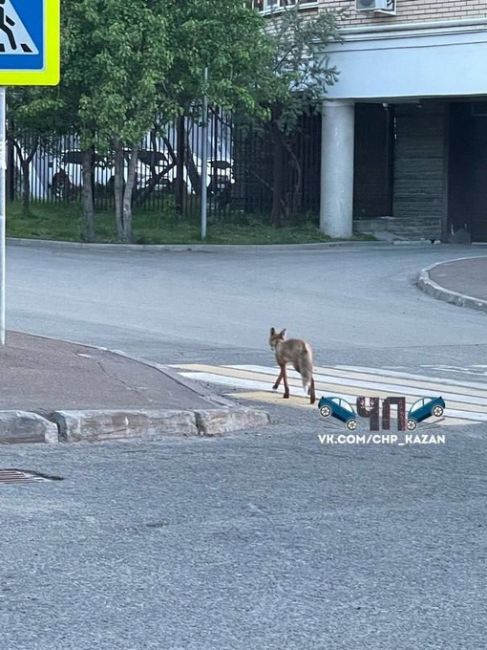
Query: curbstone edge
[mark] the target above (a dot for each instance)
(213, 422)
(98, 425)
(76, 426)
(24, 427)
(195, 247)
(432, 288)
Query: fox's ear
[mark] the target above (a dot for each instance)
(283, 332)
(273, 331)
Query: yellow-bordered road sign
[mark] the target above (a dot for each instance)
(29, 42)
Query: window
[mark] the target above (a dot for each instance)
(275, 5)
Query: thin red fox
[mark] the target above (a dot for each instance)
(297, 352)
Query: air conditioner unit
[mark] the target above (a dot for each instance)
(377, 6)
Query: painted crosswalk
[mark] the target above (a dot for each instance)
(466, 401)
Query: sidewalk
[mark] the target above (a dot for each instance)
(51, 389)
(462, 282)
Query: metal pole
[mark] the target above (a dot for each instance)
(3, 169)
(204, 163)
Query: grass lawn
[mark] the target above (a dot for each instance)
(63, 222)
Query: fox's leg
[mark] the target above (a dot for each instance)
(286, 386)
(278, 381)
(312, 394)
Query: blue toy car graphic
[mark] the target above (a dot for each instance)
(424, 408)
(340, 409)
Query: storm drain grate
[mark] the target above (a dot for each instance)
(23, 476)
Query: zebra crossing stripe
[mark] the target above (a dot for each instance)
(464, 404)
(226, 380)
(386, 374)
(386, 383)
(253, 378)
(370, 387)
(303, 402)
(457, 407)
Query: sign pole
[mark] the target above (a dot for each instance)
(31, 39)
(3, 169)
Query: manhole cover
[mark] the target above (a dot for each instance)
(23, 476)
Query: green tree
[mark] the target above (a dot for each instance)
(115, 56)
(299, 75)
(33, 120)
(228, 38)
(127, 66)
(271, 69)
(294, 84)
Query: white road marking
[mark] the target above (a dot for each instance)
(466, 401)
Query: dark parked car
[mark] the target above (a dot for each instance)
(340, 409)
(423, 409)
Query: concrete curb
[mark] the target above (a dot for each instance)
(432, 288)
(215, 422)
(97, 425)
(18, 427)
(207, 248)
(25, 427)
(418, 242)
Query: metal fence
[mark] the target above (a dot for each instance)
(241, 169)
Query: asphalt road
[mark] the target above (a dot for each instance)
(356, 305)
(266, 540)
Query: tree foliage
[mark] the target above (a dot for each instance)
(131, 66)
(296, 84)
(300, 67)
(115, 54)
(229, 39)
(33, 114)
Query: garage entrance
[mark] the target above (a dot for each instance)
(467, 171)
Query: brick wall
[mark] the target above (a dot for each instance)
(412, 10)
(419, 162)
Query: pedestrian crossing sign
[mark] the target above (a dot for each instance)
(29, 42)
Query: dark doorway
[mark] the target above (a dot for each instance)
(373, 161)
(467, 172)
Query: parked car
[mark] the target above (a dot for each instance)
(338, 408)
(424, 408)
(67, 172)
(67, 177)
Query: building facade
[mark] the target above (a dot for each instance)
(404, 131)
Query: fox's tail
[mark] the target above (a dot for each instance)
(307, 373)
(306, 370)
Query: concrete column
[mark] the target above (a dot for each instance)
(337, 153)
